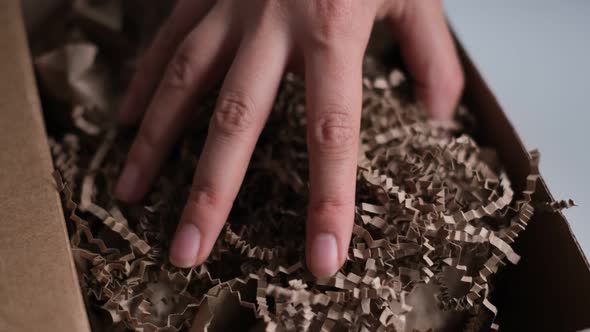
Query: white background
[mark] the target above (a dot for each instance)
(535, 56)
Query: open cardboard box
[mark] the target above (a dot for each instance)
(549, 290)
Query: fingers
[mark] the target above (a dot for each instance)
(429, 52)
(244, 103)
(198, 62)
(333, 88)
(184, 17)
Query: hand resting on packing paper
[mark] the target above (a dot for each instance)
(248, 45)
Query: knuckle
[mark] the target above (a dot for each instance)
(327, 208)
(180, 72)
(333, 132)
(233, 114)
(332, 17)
(203, 195)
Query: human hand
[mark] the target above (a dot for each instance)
(249, 44)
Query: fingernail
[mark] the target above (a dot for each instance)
(324, 255)
(185, 246)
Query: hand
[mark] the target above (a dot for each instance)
(251, 43)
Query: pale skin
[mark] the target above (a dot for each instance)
(248, 45)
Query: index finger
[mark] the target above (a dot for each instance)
(334, 100)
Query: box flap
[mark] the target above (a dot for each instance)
(39, 289)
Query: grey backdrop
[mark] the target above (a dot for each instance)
(535, 55)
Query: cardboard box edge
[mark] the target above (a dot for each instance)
(24, 99)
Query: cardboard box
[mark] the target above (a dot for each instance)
(549, 290)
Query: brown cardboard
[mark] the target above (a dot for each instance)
(38, 285)
(548, 291)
